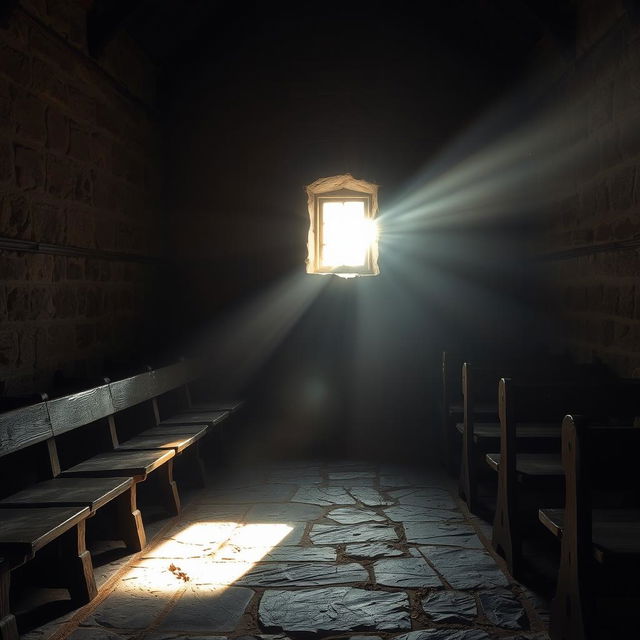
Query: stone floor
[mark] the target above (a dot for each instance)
(294, 549)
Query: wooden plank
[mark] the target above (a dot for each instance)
(177, 442)
(69, 492)
(131, 391)
(24, 427)
(178, 429)
(524, 430)
(121, 463)
(481, 409)
(169, 378)
(222, 405)
(76, 410)
(552, 519)
(532, 464)
(28, 530)
(210, 418)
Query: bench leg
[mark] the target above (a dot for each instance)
(8, 627)
(468, 482)
(506, 538)
(130, 520)
(82, 584)
(169, 489)
(199, 471)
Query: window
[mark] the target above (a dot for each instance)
(342, 231)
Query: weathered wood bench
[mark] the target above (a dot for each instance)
(452, 408)
(480, 436)
(600, 547)
(530, 466)
(53, 511)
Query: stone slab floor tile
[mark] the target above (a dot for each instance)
(97, 633)
(444, 634)
(503, 609)
(370, 497)
(412, 513)
(287, 512)
(271, 534)
(307, 574)
(353, 515)
(323, 496)
(465, 568)
(452, 607)
(172, 635)
(201, 609)
(334, 610)
(372, 550)
(330, 534)
(458, 534)
(405, 572)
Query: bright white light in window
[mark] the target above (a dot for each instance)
(347, 234)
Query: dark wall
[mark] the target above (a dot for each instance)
(79, 187)
(283, 100)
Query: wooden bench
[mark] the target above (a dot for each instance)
(600, 547)
(452, 408)
(483, 436)
(530, 465)
(138, 419)
(54, 511)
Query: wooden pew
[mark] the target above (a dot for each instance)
(137, 402)
(529, 462)
(452, 408)
(600, 539)
(26, 437)
(84, 428)
(480, 436)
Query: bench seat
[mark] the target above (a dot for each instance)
(616, 532)
(224, 405)
(531, 464)
(69, 492)
(118, 463)
(481, 409)
(26, 531)
(210, 418)
(156, 440)
(524, 431)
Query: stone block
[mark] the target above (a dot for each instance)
(8, 348)
(29, 168)
(75, 268)
(57, 131)
(61, 177)
(47, 83)
(29, 116)
(49, 222)
(65, 302)
(83, 189)
(39, 267)
(80, 227)
(40, 304)
(14, 64)
(85, 335)
(6, 162)
(622, 185)
(12, 267)
(17, 303)
(101, 150)
(79, 143)
(83, 106)
(5, 106)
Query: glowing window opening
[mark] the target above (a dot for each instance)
(343, 233)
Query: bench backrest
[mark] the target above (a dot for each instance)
(24, 427)
(78, 409)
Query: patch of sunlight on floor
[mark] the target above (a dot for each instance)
(204, 553)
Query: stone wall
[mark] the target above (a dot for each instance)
(594, 238)
(79, 174)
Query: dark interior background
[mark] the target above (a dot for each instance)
(163, 147)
